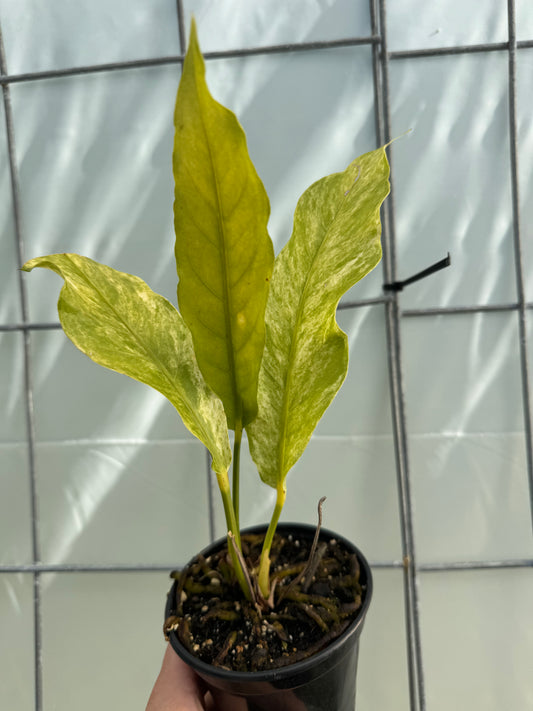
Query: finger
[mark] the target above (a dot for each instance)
(176, 688)
(221, 701)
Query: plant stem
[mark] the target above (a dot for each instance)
(264, 564)
(231, 521)
(233, 529)
(236, 472)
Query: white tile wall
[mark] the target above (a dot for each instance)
(471, 497)
(477, 640)
(41, 38)
(15, 513)
(524, 21)
(462, 374)
(270, 22)
(12, 418)
(130, 503)
(114, 407)
(9, 296)
(452, 178)
(382, 669)
(455, 22)
(71, 136)
(102, 639)
(119, 479)
(525, 168)
(16, 642)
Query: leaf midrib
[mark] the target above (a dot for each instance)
(227, 300)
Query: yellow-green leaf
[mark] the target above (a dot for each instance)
(335, 242)
(119, 322)
(224, 255)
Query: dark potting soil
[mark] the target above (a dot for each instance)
(215, 622)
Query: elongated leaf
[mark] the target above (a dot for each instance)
(335, 242)
(224, 255)
(119, 322)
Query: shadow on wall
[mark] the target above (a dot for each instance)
(457, 156)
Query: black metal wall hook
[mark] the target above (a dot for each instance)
(399, 285)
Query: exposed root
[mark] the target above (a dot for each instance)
(228, 644)
(315, 593)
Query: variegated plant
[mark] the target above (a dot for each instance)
(255, 345)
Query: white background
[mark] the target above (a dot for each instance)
(119, 479)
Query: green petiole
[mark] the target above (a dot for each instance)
(236, 471)
(264, 563)
(233, 529)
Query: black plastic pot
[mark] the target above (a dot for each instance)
(324, 682)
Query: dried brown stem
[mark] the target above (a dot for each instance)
(310, 561)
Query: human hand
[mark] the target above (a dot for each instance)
(178, 688)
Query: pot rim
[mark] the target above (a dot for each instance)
(315, 660)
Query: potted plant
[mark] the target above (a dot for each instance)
(254, 348)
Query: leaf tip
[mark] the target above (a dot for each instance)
(193, 44)
(193, 32)
(29, 265)
(193, 69)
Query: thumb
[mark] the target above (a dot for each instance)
(176, 688)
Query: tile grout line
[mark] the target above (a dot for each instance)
(178, 59)
(457, 49)
(393, 321)
(256, 51)
(180, 15)
(517, 240)
(435, 567)
(28, 386)
(378, 91)
(346, 437)
(343, 306)
(389, 270)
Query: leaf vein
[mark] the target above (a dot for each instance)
(168, 375)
